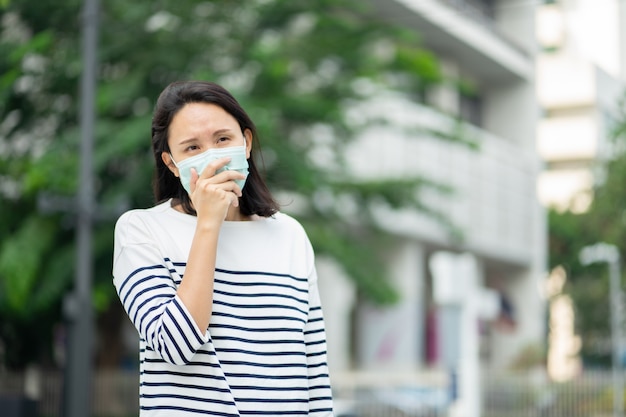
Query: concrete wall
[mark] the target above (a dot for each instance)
(494, 202)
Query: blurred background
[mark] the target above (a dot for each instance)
(459, 166)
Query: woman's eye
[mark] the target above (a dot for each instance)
(191, 148)
(222, 139)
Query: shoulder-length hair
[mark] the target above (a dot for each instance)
(256, 197)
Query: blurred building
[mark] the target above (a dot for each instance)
(581, 69)
(580, 73)
(471, 304)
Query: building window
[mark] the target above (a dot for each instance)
(478, 8)
(486, 7)
(471, 109)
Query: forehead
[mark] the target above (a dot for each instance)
(196, 118)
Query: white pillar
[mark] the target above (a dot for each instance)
(337, 294)
(391, 338)
(457, 285)
(622, 39)
(511, 111)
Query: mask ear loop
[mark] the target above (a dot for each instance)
(172, 158)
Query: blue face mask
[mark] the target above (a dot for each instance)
(238, 162)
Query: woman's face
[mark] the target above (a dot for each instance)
(198, 127)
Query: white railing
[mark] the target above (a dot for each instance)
(484, 16)
(494, 201)
(505, 394)
(534, 395)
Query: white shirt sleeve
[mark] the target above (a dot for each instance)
(320, 394)
(147, 290)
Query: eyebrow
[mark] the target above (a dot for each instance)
(221, 131)
(183, 142)
(216, 133)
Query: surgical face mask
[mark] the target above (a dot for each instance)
(238, 162)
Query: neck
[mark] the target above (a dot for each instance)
(234, 215)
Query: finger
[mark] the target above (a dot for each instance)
(213, 166)
(193, 180)
(211, 185)
(236, 189)
(229, 180)
(226, 176)
(228, 186)
(234, 201)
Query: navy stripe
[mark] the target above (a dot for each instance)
(168, 296)
(320, 398)
(317, 365)
(243, 360)
(180, 330)
(265, 365)
(167, 351)
(234, 316)
(185, 374)
(318, 376)
(206, 352)
(314, 331)
(173, 340)
(261, 284)
(257, 342)
(251, 352)
(320, 410)
(175, 263)
(256, 376)
(187, 409)
(291, 297)
(191, 325)
(272, 413)
(188, 397)
(186, 385)
(136, 271)
(313, 387)
(269, 274)
(258, 388)
(258, 306)
(149, 277)
(271, 400)
(148, 325)
(226, 271)
(190, 363)
(252, 329)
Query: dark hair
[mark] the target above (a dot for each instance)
(256, 197)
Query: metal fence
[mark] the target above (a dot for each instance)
(527, 394)
(534, 395)
(114, 393)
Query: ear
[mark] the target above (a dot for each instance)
(248, 134)
(167, 160)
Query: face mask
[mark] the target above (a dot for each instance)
(238, 162)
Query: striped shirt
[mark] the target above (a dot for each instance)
(264, 352)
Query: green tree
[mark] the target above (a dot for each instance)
(604, 221)
(295, 66)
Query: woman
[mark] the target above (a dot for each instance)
(220, 285)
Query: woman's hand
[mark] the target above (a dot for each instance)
(212, 194)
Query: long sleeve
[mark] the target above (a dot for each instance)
(264, 352)
(146, 283)
(320, 395)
